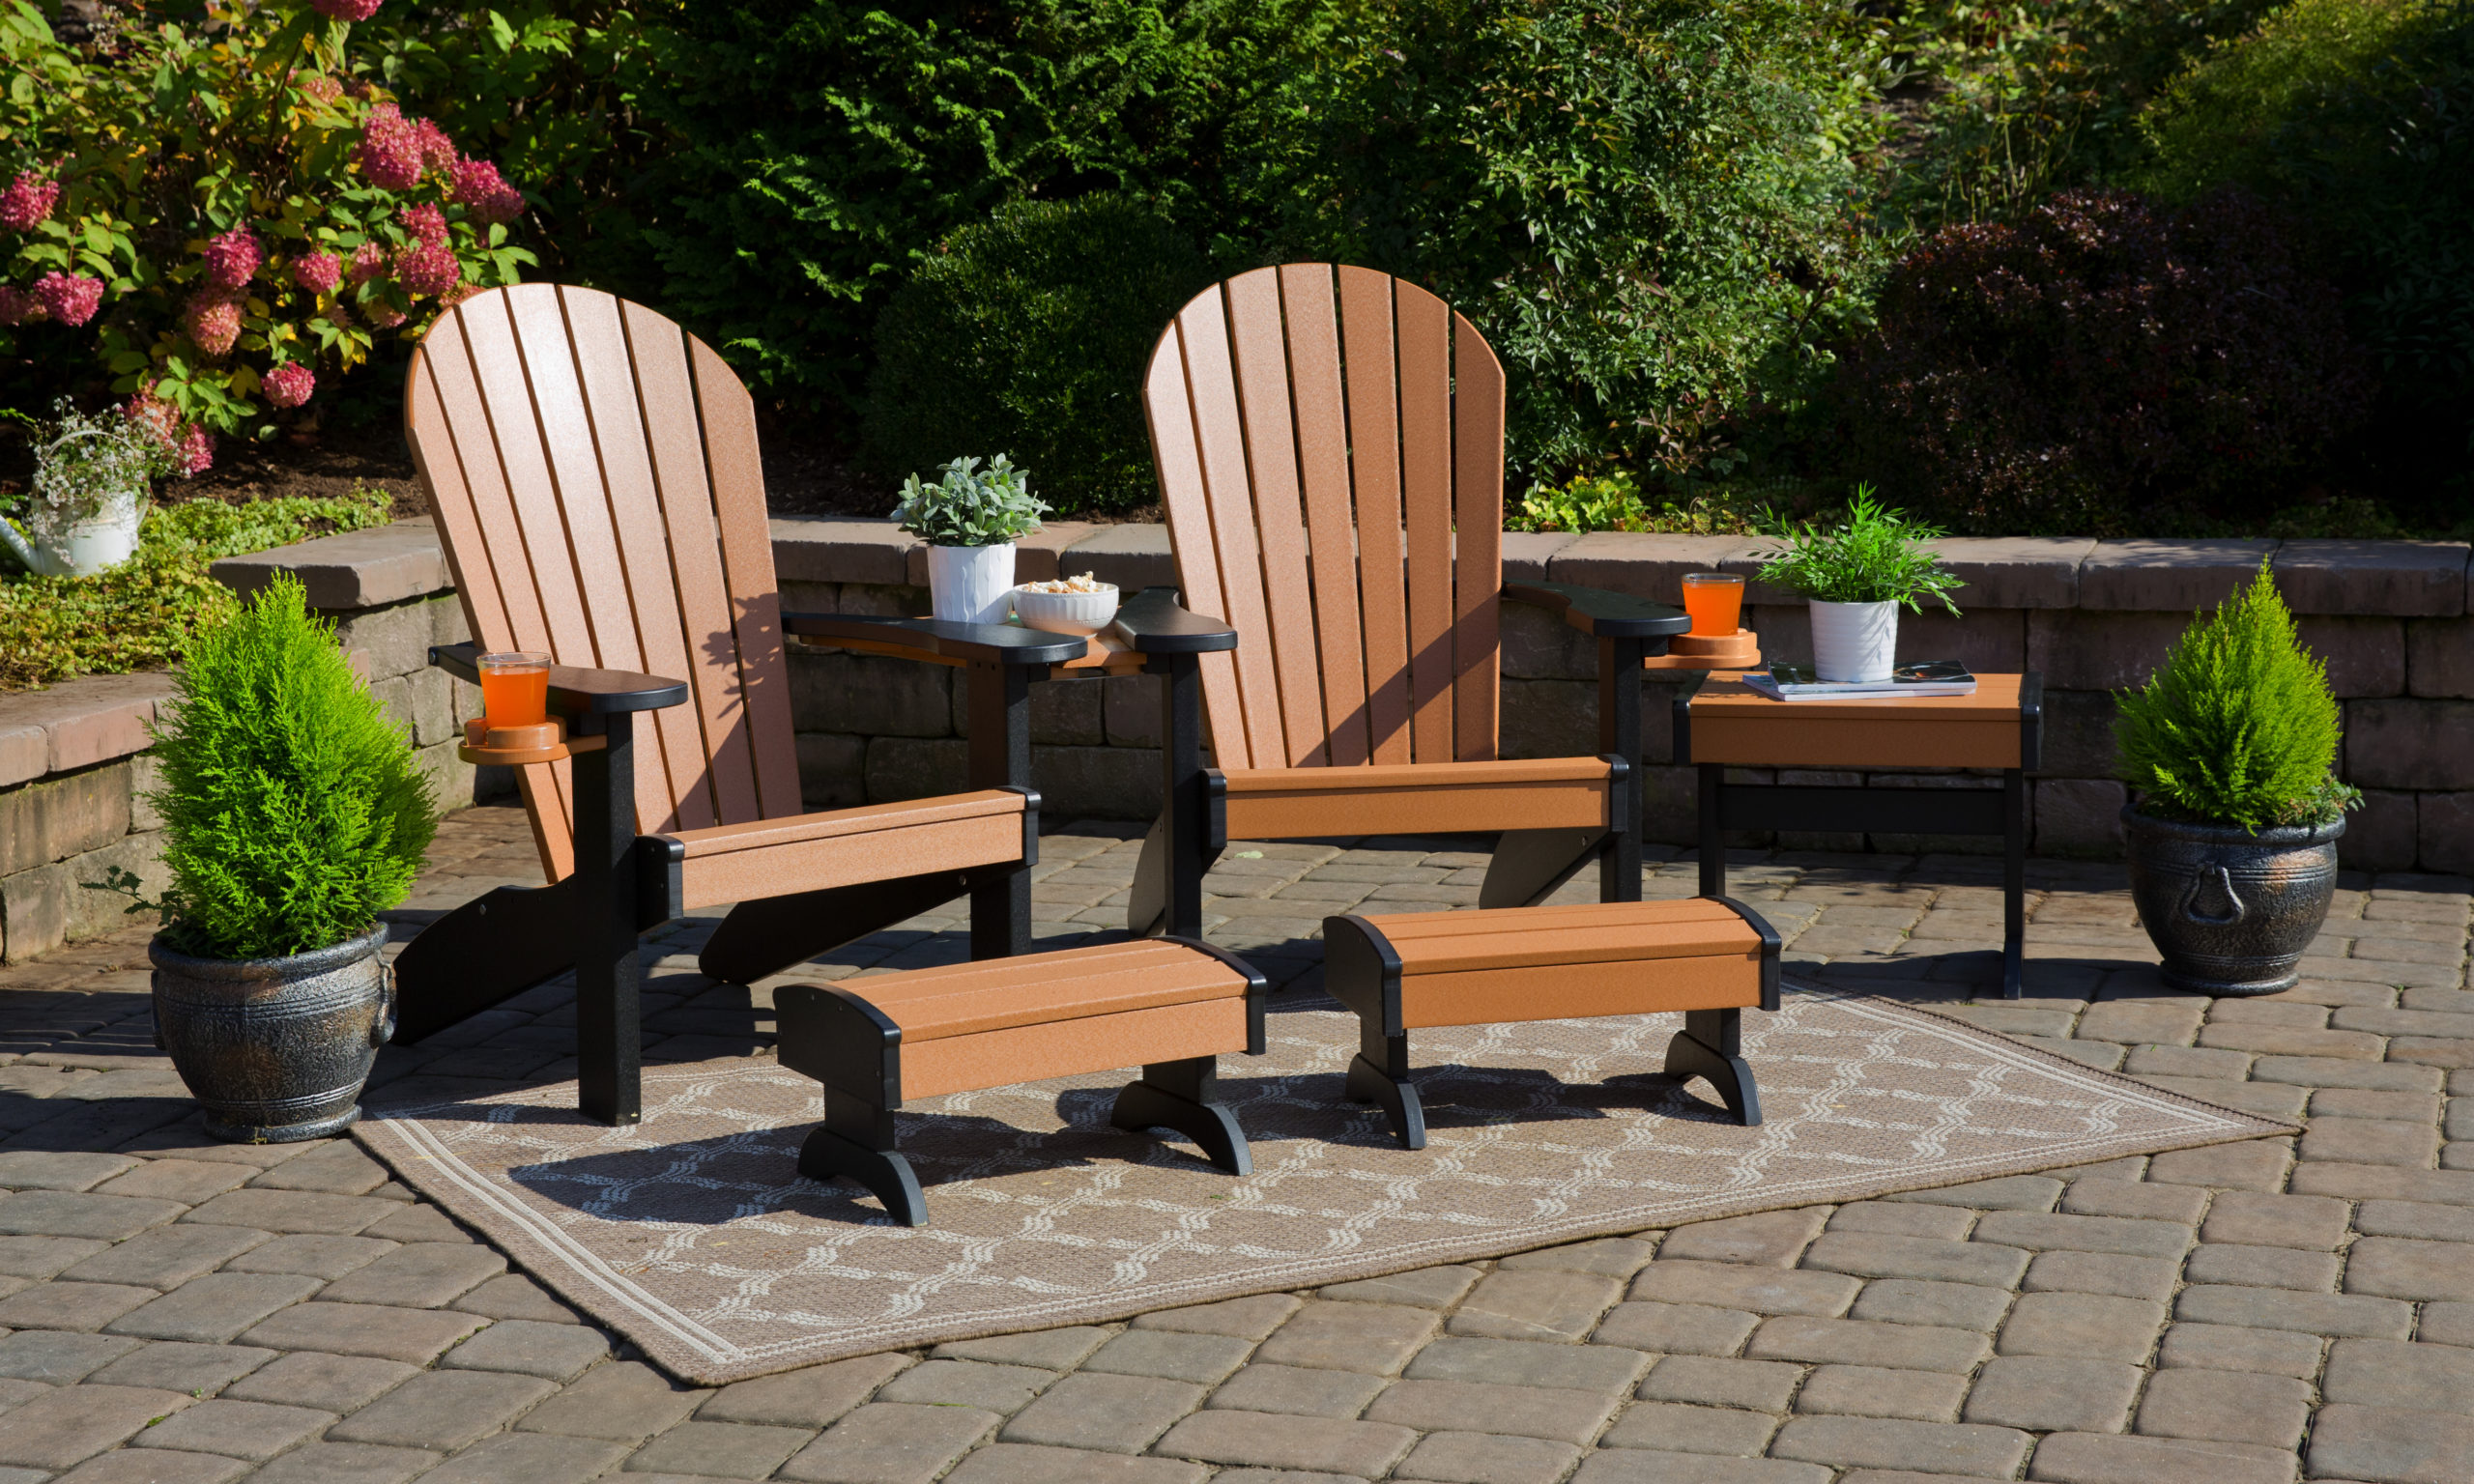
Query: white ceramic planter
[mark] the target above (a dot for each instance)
(971, 583)
(1854, 640)
(96, 545)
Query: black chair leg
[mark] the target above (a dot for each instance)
(1379, 1074)
(856, 1143)
(1711, 1046)
(493, 948)
(1185, 1095)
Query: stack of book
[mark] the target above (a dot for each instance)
(1785, 681)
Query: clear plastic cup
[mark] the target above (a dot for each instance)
(1716, 602)
(515, 689)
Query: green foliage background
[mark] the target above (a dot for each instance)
(2238, 725)
(294, 811)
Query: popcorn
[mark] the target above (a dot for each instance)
(1082, 583)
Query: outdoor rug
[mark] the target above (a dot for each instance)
(692, 1235)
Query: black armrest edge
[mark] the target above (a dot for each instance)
(1604, 615)
(1154, 622)
(1001, 642)
(576, 691)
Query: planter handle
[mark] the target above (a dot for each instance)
(2191, 899)
(382, 1026)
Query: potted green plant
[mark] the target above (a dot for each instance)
(94, 474)
(294, 812)
(1856, 577)
(2234, 825)
(970, 518)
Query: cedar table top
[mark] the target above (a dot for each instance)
(1725, 694)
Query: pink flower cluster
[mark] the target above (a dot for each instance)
(28, 200)
(233, 258)
(390, 149)
(323, 88)
(438, 151)
(319, 272)
(368, 261)
(214, 323)
(192, 444)
(426, 223)
(290, 384)
(484, 192)
(428, 267)
(72, 299)
(346, 10)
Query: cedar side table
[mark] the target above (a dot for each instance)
(1720, 722)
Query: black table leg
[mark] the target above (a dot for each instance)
(2014, 880)
(1714, 841)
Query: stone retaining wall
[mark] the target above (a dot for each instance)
(2390, 618)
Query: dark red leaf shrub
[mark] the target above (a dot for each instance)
(2102, 365)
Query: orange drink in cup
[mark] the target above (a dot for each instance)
(1716, 602)
(515, 689)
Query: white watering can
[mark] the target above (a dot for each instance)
(104, 539)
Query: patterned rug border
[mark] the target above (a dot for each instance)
(695, 1355)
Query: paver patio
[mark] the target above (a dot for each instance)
(187, 1312)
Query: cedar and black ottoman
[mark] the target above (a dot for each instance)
(1168, 1005)
(1711, 957)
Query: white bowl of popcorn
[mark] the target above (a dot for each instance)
(1069, 605)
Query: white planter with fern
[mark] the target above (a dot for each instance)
(969, 518)
(1855, 578)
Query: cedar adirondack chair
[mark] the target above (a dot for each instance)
(595, 475)
(1330, 443)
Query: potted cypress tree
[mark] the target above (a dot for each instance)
(294, 812)
(1855, 578)
(970, 519)
(2234, 824)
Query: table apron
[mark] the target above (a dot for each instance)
(1876, 810)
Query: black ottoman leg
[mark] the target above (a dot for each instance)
(1710, 1045)
(856, 1143)
(1185, 1095)
(1385, 1081)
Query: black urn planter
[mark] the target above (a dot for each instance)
(275, 1049)
(2232, 912)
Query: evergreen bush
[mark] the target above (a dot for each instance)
(1030, 333)
(294, 811)
(2238, 727)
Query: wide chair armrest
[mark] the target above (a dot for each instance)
(576, 691)
(1600, 613)
(1154, 622)
(941, 641)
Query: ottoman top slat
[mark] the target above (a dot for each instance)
(997, 995)
(1595, 933)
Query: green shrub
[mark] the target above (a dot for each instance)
(2238, 727)
(2353, 115)
(1614, 502)
(1030, 333)
(820, 149)
(1874, 555)
(1648, 208)
(141, 615)
(294, 811)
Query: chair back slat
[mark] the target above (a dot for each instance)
(1329, 447)
(1374, 463)
(1254, 732)
(596, 481)
(1331, 524)
(672, 776)
(1424, 326)
(674, 437)
(1477, 511)
(1176, 447)
(1259, 343)
(459, 460)
(737, 471)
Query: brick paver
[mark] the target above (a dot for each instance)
(2244, 1314)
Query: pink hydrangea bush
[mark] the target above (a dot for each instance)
(214, 286)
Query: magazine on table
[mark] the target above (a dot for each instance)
(1790, 681)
